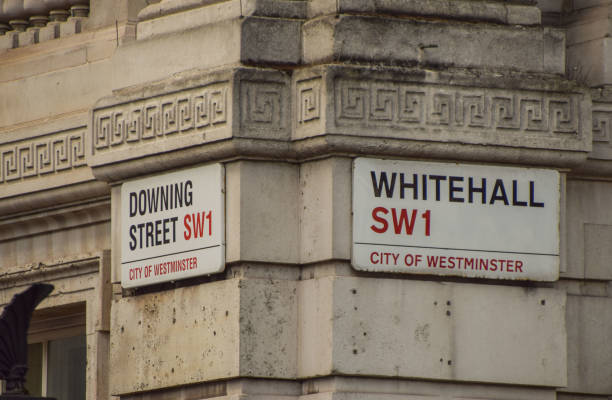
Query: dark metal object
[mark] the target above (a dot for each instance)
(14, 323)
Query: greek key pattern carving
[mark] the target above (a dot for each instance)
(159, 117)
(400, 105)
(261, 104)
(308, 100)
(602, 125)
(43, 155)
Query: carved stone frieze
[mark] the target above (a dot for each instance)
(404, 106)
(189, 111)
(602, 131)
(49, 154)
(156, 118)
(340, 101)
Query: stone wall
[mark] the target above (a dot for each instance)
(285, 94)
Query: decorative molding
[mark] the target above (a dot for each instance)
(262, 104)
(402, 105)
(308, 100)
(33, 157)
(602, 124)
(193, 110)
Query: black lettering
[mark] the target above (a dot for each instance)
(149, 233)
(153, 198)
(452, 189)
(142, 202)
(532, 202)
(377, 186)
(413, 186)
(499, 187)
(133, 241)
(482, 190)
(438, 179)
(515, 201)
(133, 204)
(188, 193)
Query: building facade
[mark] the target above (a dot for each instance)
(293, 104)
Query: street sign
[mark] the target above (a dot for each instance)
(173, 226)
(455, 219)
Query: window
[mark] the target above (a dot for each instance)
(57, 353)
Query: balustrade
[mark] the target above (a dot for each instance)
(21, 15)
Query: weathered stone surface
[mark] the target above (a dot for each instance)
(429, 43)
(200, 333)
(371, 388)
(190, 110)
(262, 212)
(270, 41)
(54, 234)
(589, 351)
(589, 221)
(430, 330)
(459, 9)
(421, 105)
(325, 204)
(57, 147)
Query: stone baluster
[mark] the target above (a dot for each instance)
(16, 14)
(4, 25)
(37, 11)
(58, 10)
(79, 8)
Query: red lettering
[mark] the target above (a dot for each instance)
(403, 221)
(518, 266)
(186, 222)
(380, 220)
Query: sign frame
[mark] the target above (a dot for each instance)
(173, 226)
(403, 230)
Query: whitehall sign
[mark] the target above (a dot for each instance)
(173, 226)
(455, 219)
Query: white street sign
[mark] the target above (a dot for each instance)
(455, 219)
(173, 226)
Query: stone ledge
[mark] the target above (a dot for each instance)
(496, 12)
(412, 41)
(428, 107)
(233, 103)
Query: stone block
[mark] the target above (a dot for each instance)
(598, 251)
(58, 92)
(325, 204)
(275, 8)
(457, 9)
(71, 27)
(589, 62)
(428, 330)
(267, 40)
(589, 219)
(589, 349)
(203, 47)
(8, 41)
(268, 326)
(372, 388)
(584, 31)
(217, 330)
(175, 337)
(49, 32)
(209, 107)
(412, 42)
(189, 19)
(262, 216)
(115, 275)
(27, 38)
